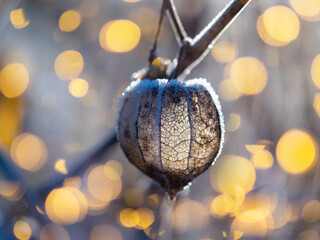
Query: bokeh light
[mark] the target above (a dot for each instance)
(66, 205)
(278, 26)
(28, 152)
(113, 170)
(262, 159)
(308, 10)
(39, 210)
(129, 217)
(253, 223)
(103, 187)
(95, 206)
(105, 232)
(109, 201)
(146, 218)
(60, 166)
(297, 151)
(224, 52)
(78, 87)
(311, 211)
(265, 201)
(254, 148)
(316, 103)
(248, 75)
(10, 120)
(221, 205)
(254, 218)
(189, 215)
(119, 36)
(69, 21)
(11, 190)
(309, 234)
(228, 91)
(22, 230)
(54, 232)
(231, 173)
(18, 19)
(233, 123)
(14, 80)
(68, 65)
(315, 71)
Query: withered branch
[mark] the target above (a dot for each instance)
(194, 50)
(153, 52)
(84, 161)
(176, 24)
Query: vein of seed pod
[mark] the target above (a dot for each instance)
(159, 106)
(136, 129)
(150, 106)
(200, 112)
(200, 109)
(197, 93)
(191, 129)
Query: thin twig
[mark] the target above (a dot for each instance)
(165, 209)
(153, 51)
(176, 24)
(83, 162)
(193, 51)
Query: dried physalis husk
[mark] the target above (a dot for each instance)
(171, 130)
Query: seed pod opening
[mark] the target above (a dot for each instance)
(171, 130)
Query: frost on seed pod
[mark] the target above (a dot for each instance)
(171, 130)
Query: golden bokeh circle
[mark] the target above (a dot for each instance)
(315, 71)
(278, 26)
(224, 52)
(102, 187)
(22, 230)
(248, 75)
(221, 205)
(262, 159)
(129, 217)
(308, 10)
(66, 205)
(69, 21)
(232, 174)
(68, 65)
(14, 80)
(18, 19)
(297, 151)
(78, 87)
(28, 152)
(119, 36)
(228, 91)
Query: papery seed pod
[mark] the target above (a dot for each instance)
(171, 130)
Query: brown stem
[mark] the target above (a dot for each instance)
(153, 52)
(84, 161)
(176, 24)
(196, 49)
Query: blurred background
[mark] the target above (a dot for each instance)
(64, 66)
